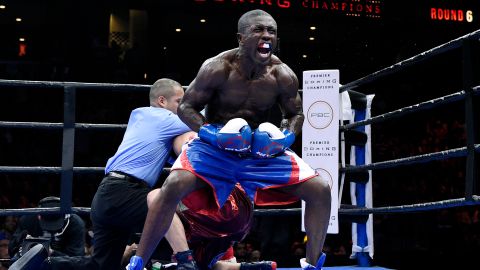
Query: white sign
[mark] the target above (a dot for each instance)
(320, 143)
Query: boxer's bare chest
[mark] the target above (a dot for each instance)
(241, 93)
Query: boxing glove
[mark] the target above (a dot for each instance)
(136, 263)
(235, 136)
(268, 140)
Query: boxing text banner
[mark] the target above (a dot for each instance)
(320, 143)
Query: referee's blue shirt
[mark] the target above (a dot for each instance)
(147, 143)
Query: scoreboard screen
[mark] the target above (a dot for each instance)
(453, 11)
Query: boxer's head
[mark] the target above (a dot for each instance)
(257, 35)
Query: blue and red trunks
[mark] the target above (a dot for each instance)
(222, 170)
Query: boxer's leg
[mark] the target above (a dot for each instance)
(316, 194)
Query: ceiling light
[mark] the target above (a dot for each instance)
(313, 27)
(2, 6)
(304, 56)
(178, 30)
(18, 19)
(311, 38)
(202, 20)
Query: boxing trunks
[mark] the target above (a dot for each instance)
(211, 235)
(222, 170)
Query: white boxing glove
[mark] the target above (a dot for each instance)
(269, 140)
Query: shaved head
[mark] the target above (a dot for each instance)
(163, 87)
(244, 21)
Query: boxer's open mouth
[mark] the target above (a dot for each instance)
(264, 49)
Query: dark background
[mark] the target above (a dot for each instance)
(66, 32)
(69, 41)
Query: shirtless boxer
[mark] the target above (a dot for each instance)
(240, 86)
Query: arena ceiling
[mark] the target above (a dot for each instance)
(347, 36)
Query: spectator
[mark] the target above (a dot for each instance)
(255, 256)
(9, 226)
(4, 256)
(65, 234)
(240, 251)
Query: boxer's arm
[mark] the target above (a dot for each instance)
(200, 91)
(290, 101)
(180, 140)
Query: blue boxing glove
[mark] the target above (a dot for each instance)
(136, 263)
(268, 140)
(235, 136)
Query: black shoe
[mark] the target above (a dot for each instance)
(32, 259)
(263, 265)
(185, 260)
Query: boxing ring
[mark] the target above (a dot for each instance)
(466, 47)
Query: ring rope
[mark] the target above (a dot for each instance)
(451, 45)
(410, 109)
(376, 119)
(86, 210)
(48, 125)
(42, 169)
(52, 84)
(457, 152)
(418, 207)
(344, 209)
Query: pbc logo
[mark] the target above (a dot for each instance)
(326, 176)
(320, 115)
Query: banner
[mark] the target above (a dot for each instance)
(321, 130)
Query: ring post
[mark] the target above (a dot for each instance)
(471, 184)
(362, 239)
(68, 148)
